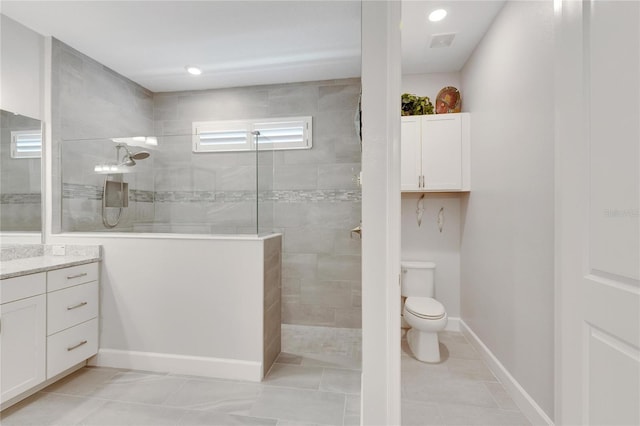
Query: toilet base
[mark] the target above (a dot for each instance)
(424, 345)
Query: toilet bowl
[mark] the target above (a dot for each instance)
(426, 317)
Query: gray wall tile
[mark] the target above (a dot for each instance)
(335, 294)
(309, 195)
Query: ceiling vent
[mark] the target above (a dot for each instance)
(441, 40)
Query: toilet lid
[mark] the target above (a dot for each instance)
(424, 307)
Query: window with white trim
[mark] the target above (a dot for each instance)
(26, 144)
(242, 135)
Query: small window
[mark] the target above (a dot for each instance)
(289, 134)
(26, 144)
(240, 135)
(209, 136)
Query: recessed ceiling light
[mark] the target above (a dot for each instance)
(437, 15)
(193, 70)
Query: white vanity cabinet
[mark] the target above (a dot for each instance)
(435, 153)
(22, 334)
(48, 324)
(72, 312)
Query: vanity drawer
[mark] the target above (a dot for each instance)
(67, 277)
(71, 306)
(22, 287)
(71, 346)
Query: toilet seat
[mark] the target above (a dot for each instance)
(424, 307)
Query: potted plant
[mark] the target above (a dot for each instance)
(416, 105)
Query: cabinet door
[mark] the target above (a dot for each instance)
(442, 152)
(410, 153)
(22, 345)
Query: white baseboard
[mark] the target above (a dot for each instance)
(220, 368)
(453, 324)
(523, 400)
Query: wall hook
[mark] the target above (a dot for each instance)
(441, 219)
(420, 209)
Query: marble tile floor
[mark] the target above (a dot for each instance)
(315, 381)
(460, 390)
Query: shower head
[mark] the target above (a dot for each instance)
(140, 155)
(128, 161)
(129, 158)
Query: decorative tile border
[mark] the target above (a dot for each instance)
(83, 192)
(311, 196)
(27, 198)
(89, 192)
(184, 196)
(140, 196)
(92, 192)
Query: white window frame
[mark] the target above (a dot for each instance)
(247, 143)
(16, 152)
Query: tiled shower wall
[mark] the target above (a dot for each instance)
(272, 304)
(91, 101)
(308, 195)
(312, 199)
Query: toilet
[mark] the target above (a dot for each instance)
(424, 314)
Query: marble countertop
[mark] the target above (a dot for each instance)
(15, 267)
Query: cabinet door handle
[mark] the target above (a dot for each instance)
(84, 342)
(76, 306)
(70, 277)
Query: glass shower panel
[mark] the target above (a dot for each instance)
(91, 168)
(170, 190)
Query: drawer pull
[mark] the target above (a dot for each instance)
(70, 277)
(84, 342)
(79, 305)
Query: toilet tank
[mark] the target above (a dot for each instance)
(418, 278)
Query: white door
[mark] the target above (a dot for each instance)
(598, 222)
(22, 345)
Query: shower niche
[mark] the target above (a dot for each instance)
(116, 194)
(157, 184)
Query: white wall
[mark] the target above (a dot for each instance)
(426, 242)
(171, 304)
(380, 401)
(21, 68)
(507, 237)
(430, 84)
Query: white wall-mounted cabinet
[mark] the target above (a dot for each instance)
(435, 153)
(48, 324)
